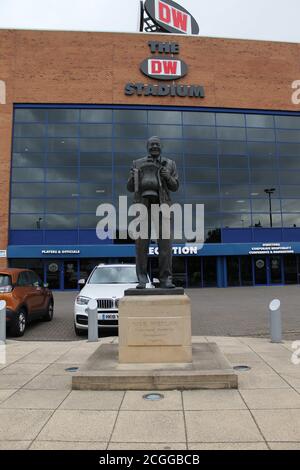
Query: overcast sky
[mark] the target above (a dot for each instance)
(276, 20)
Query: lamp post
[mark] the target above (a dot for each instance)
(270, 191)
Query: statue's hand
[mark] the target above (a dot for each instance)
(165, 173)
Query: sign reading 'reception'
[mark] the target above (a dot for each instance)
(171, 17)
(164, 69)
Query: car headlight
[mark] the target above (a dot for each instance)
(80, 300)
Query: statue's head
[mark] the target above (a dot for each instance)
(154, 146)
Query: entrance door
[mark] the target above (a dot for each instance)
(275, 269)
(70, 274)
(260, 270)
(53, 274)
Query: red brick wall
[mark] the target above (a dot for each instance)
(77, 67)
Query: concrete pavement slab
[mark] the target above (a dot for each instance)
(13, 381)
(271, 399)
(14, 445)
(284, 445)
(17, 424)
(147, 446)
(253, 380)
(35, 399)
(4, 394)
(279, 425)
(89, 400)
(149, 426)
(134, 401)
(50, 382)
(228, 446)
(24, 369)
(212, 400)
(64, 445)
(79, 425)
(221, 426)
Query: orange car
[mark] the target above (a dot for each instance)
(27, 298)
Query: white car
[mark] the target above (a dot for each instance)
(106, 284)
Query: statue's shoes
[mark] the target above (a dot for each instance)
(141, 286)
(167, 285)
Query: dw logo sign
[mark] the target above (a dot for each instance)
(170, 17)
(164, 69)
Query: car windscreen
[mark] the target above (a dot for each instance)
(114, 275)
(5, 280)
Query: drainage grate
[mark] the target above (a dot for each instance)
(242, 368)
(153, 396)
(72, 369)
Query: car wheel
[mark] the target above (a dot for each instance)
(79, 332)
(19, 324)
(49, 312)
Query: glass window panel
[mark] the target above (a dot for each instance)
(290, 205)
(62, 130)
(293, 150)
(172, 146)
(61, 205)
(237, 190)
(62, 174)
(62, 190)
(96, 130)
(263, 220)
(95, 159)
(197, 132)
(261, 134)
(262, 205)
(131, 131)
(99, 189)
(90, 205)
(290, 191)
(291, 220)
(26, 221)
(287, 122)
(246, 271)
(201, 174)
(198, 118)
(234, 176)
(27, 190)
(233, 162)
(230, 119)
(202, 190)
(200, 148)
(130, 146)
(261, 149)
(236, 220)
(289, 163)
(267, 162)
(258, 191)
(27, 205)
(290, 177)
(62, 145)
(30, 115)
(164, 117)
(201, 160)
(269, 178)
(61, 221)
(62, 159)
(96, 115)
(96, 145)
(235, 205)
(165, 132)
(29, 130)
(212, 221)
(232, 148)
(122, 173)
(28, 174)
(210, 205)
(130, 115)
(259, 120)
(125, 159)
(96, 174)
(233, 271)
(63, 115)
(88, 221)
(28, 159)
(231, 133)
(29, 145)
(288, 136)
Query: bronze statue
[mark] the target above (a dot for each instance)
(151, 179)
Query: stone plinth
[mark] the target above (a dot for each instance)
(155, 329)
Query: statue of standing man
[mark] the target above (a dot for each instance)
(151, 179)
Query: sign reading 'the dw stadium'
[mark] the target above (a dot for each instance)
(171, 17)
(164, 68)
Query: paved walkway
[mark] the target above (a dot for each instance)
(38, 410)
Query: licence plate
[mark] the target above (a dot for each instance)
(108, 316)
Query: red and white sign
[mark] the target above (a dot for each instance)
(173, 17)
(164, 67)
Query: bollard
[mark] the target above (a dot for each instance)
(92, 311)
(275, 321)
(2, 321)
